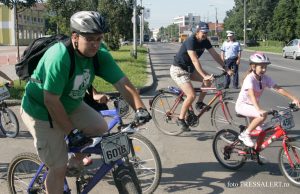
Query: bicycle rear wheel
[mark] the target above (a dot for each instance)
(21, 171)
(292, 174)
(228, 155)
(223, 114)
(146, 163)
(165, 113)
(9, 123)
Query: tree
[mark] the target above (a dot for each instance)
(298, 20)
(284, 23)
(60, 12)
(118, 14)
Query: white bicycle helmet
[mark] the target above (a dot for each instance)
(90, 22)
(259, 58)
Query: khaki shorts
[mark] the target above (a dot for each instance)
(179, 75)
(49, 142)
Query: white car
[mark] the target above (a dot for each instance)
(292, 49)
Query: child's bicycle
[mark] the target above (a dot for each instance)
(232, 153)
(166, 106)
(134, 161)
(9, 124)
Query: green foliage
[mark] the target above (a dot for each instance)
(268, 19)
(20, 3)
(118, 14)
(284, 22)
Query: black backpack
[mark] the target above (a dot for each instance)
(34, 52)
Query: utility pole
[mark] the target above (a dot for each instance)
(216, 24)
(244, 23)
(134, 52)
(142, 25)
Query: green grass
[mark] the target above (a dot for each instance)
(272, 49)
(268, 46)
(135, 70)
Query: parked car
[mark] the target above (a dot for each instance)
(292, 49)
(125, 42)
(214, 40)
(252, 42)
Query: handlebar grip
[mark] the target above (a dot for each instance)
(7, 85)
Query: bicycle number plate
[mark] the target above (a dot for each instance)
(115, 147)
(287, 123)
(4, 93)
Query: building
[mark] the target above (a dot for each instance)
(187, 22)
(31, 24)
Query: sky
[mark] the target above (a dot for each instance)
(162, 12)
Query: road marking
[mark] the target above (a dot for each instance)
(280, 67)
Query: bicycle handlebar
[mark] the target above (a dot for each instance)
(293, 107)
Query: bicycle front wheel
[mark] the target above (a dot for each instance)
(223, 114)
(9, 123)
(146, 163)
(229, 155)
(21, 171)
(166, 108)
(291, 173)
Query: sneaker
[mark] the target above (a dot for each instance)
(245, 138)
(200, 105)
(183, 125)
(262, 160)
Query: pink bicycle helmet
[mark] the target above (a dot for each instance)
(259, 58)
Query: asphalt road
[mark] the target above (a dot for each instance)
(189, 165)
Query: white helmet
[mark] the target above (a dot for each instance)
(259, 58)
(88, 22)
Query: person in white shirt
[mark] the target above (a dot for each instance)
(231, 55)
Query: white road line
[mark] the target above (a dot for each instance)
(280, 67)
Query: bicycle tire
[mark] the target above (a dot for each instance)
(291, 174)
(163, 119)
(30, 162)
(146, 163)
(126, 180)
(219, 120)
(229, 158)
(9, 123)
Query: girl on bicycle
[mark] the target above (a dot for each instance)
(253, 86)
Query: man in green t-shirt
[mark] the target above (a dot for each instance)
(53, 106)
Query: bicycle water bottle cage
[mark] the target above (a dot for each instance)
(174, 89)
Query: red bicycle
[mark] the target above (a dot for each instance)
(232, 153)
(166, 106)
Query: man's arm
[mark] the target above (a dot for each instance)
(11, 82)
(197, 64)
(128, 91)
(57, 111)
(216, 57)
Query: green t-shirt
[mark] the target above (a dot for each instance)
(53, 72)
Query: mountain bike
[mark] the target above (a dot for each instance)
(134, 161)
(232, 153)
(166, 105)
(9, 124)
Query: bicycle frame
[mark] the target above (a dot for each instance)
(104, 169)
(218, 95)
(278, 133)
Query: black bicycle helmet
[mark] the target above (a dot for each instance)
(88, 22)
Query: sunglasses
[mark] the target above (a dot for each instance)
(90, 38)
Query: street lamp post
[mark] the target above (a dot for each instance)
(134, 53)
(142, 25)
(244, 23)
(216, 22)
